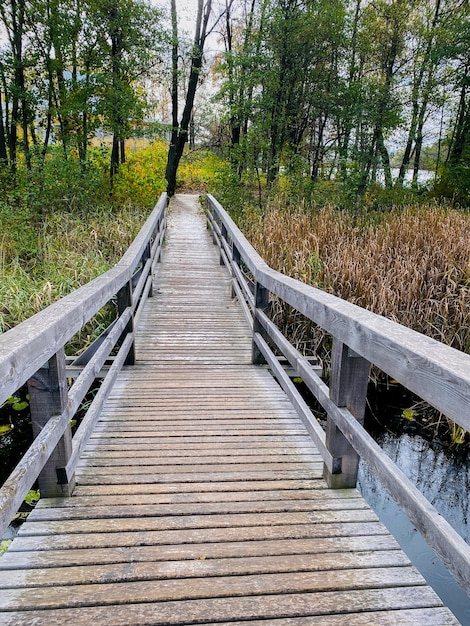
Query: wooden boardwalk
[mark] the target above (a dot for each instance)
(200, 497)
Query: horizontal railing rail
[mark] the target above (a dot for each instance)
(33, 352)
(440, 375)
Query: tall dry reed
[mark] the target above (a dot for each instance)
(411, 265)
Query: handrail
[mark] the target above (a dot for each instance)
(33, 352)
(437, 373)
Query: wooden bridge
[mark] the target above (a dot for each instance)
(199, 481)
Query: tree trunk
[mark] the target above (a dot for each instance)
(461, 133)
(174, 92)
(176, 151)
(3, 141)
(415, 133)
(114, 165)
(385, 158)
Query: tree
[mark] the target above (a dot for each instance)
(129, 40)
(69, 66)
(456, 175)
(13, 16)
(180, 130)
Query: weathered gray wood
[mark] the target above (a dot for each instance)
(437, 373)
(298, 402)
(125, 302)
(261, 302)
(348, 388)
(48, 397)
(85, 428)
(434, 371)
(206, 508)
(91, 370)
(196, 503)
(255, 607)
(106, 539)
(25, 348)
(25, 473)
(228, 549)
(37, 598)
(184, 497)
(198, 567)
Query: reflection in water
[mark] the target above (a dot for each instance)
(445, 483)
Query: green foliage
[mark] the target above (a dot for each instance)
(141, 179)
(69, 184)
(454, 184)
(199, 170)
(32, 497)
(379, 198)
(58, 237)
(15, 403)
(230, 191)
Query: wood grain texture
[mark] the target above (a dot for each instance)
(200, 496)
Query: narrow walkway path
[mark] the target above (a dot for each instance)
(200, 498)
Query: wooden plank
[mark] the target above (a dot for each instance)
(142, 478)
(202, 487)
(204, 567)
(194, 508)
(150, 467)
(60, 540)
(124, 554)
(417, 617)
(349, 604)
(37, 598)
(195, 521)
(184, 496)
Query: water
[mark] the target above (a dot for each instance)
(424, 176)
(445, 482)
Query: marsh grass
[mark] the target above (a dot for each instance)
(42, 260)
(411, 265)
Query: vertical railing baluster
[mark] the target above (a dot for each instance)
(261, 296)
(223, 230)
(145, 257)
(124, 300)
(348, 388)
(236, 258)
(48, 397)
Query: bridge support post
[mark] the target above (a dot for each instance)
(261, 302)
(145, 257)
(48, 397)
(236, 258)
(124, 300)
(223, 230)
(348, 388)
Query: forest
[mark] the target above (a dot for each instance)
(332, 109)
(313, 90)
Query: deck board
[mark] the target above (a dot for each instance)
(200, 496)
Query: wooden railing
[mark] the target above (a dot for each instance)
(435, 372)
(33, 352)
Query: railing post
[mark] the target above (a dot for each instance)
(145, 257)
(223, 231)
(124, 300)
(208, 213)
(236, 258)
(48, 397)
(261, 302)
(211, 221)
(348, 388)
